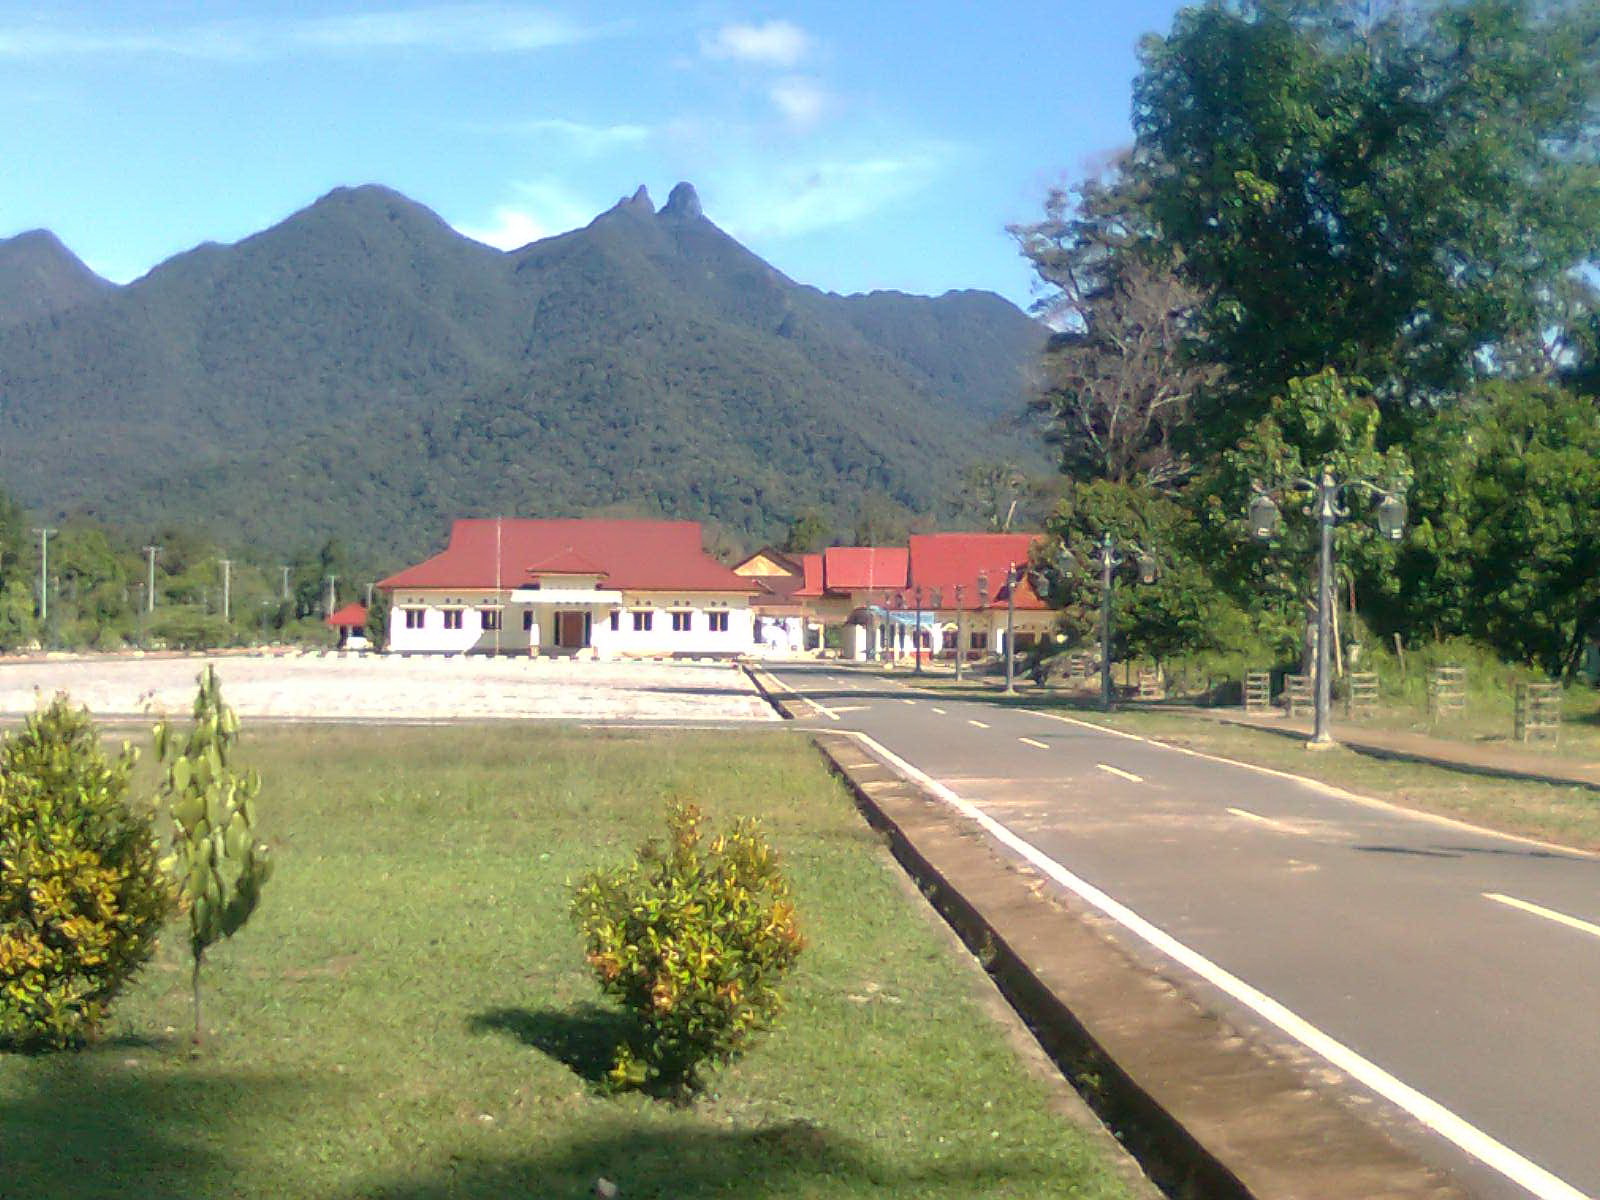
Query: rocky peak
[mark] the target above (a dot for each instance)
(683, 202)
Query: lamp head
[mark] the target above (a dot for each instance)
(1263, 516)
(1147, 567)
(1392, 517)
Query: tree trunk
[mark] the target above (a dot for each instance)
(195, 984)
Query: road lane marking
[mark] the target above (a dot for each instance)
(979, 724)
(1120, 773)
(940, 711)
(1031, 742)
(844, 708)
(1548, 914)
(908, 702)
(821, 708)
(1480, 1145)
(1280, 826)
(1327, 789)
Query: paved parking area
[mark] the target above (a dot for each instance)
(393, 688)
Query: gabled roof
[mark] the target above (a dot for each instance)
(632, 555)
(943, 560)
(353, 615)
(811, 569)
(856, 568)
(790, 563)
(566, 562)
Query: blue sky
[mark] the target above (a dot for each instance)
(854, 145)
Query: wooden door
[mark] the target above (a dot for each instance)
(569, 630)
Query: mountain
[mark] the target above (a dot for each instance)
(361, 370)
(39, 276)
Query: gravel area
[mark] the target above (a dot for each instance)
(381, 687)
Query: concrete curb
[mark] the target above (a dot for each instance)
(1206, 1111)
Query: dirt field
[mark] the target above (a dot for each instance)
(393, 688)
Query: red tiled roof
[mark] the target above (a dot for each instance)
(942, 560)
(566, 562)
(853, 568)
(633, 555)
(811, 566)
(353, 615)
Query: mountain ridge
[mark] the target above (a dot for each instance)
(360, 369)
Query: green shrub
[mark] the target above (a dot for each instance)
(692, 938)
(82, 892)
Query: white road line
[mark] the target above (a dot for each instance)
(1031, 742)
(908, 702)
(1548, 914)
(1435, 1116)
(821, 708)
(1280, 826)
(979, 724)
(940, 711)
(844, 708)
(1120, 773)
(1327, 789)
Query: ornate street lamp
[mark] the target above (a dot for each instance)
(1327, 509)
(1110, 558)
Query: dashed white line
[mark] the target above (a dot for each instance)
(1031, 742)
(1120, 773)
(940, 711)
(1280, 826)
(908, 702)
(1474, 1141)
(979, 724)
(1549, 914)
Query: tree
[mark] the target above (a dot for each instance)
(808, 533)
(1118, 375)
(219, 865)
(1401, 198)
(996, 490)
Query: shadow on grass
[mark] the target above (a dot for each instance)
(83, 1125)
(584, 1039)
(795, 1158)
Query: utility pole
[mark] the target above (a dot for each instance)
(285, 571)
(332, 595)
(150, 553)
(369, 597)
(961, 595)
(1011, 627)
(44, 572)
(227, 588)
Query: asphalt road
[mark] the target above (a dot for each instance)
(1464, 964)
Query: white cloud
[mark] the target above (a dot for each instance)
(802, 101)
(808, 197)
(541, 209)
(462, 29)
(588, 140)
(777, 43)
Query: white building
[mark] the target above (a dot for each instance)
(604, 588)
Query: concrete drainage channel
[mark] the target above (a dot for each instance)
(1206, 1112)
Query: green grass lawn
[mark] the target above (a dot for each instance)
(409, 1015)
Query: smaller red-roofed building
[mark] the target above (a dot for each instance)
(606, 588)
(974, 583)
(350, 623)
(781, 625)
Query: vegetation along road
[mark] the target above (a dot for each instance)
(1444, 971)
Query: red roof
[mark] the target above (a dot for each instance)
(567, 562)
(943, 560)
(854, 568)
(633, 555)
(351, 615)
(811, 566)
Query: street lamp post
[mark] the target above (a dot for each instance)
(916, 631)
(1011, 628)
(1327, 510)
(1110, 560)
(961, 595)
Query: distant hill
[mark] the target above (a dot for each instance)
(362, 370)
(39, 276)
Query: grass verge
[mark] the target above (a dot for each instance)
(408, 1014)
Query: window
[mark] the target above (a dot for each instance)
(616, 620)
(680, 622)
(490, 618)
(527, 620)
(719, 622)
(414, 617)
(978, 641)
(452, 618)
(643, 619)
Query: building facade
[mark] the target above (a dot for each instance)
(602, 589)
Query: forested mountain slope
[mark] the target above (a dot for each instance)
(362, 370)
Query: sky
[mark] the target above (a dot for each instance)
(853, 145)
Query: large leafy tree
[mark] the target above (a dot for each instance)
(1398, 191)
